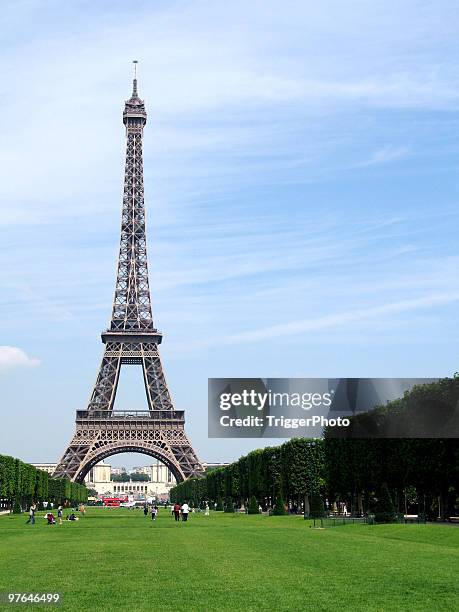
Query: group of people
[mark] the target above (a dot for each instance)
(183, 511)
(180, 510)
(49, 516)
(153, 511)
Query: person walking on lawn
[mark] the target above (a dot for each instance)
(185, 510)
(32, 509)
(177, 511)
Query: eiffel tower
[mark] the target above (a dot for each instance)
(131, 339)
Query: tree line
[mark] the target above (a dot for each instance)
(22, 483)
(133, 477)
(293, 471)
(366, 468)
(410, 475)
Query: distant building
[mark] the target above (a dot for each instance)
(100, 473)
(212, 466)
(46, 467)
(99, 478)
(159, 473)
(141, 470)
(118, 470)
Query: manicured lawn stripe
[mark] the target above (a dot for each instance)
(116, 559)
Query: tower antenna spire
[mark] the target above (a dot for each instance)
(134, 82)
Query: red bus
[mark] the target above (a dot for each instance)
(114, 502)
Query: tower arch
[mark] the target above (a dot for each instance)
(110, 450)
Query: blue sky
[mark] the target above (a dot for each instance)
(301, 187)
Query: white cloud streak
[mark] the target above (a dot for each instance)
(333, 321)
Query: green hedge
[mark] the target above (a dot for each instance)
(294, 469)
(24, 483)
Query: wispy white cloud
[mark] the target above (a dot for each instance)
(385, 155)
(388, 154)
(332, 321)
(12, 357)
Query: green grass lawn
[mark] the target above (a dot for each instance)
(118, 559)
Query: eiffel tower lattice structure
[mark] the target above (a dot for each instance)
(131, 339)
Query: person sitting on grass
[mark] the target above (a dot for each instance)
(72, 517)
(51, 519)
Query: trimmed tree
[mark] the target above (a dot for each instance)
(253, 506)
(384, 510)
(279, 507)
(219, 507)
(316, 509)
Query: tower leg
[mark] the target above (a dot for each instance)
(158, 395)
(103, 395)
